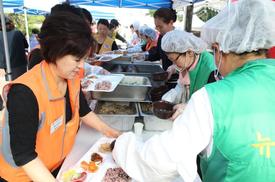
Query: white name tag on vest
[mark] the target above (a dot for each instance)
(106, 46)
(56, 124)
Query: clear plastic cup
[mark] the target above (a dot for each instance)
(138, 128)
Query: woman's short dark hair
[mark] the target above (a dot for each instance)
(114, 22)
(65, 34)
(166, 15)
(87, 15)
(103, 22)
(111, 26)
(65, 7)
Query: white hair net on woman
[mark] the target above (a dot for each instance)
(244, 26)
(141, 29)
(180, 41)
(151, 33)
(136, 25)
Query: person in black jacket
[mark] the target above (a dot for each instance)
(114, 25)
(17, 44)
(164, 20)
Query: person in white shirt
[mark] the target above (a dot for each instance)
(228, 121)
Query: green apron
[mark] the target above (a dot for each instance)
(199, 76)
(243, 107)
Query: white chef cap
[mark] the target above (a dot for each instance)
(244, 26)
(151, 33)
(180, 41)
(136, 25)
(141, 29)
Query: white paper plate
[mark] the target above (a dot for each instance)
(95, 79)
(108, 57)
(107, 163)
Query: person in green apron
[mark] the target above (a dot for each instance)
(230, 123)
(195, 65)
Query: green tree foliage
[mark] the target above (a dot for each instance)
(180, 18)
(34, 21)
(206, 13)
(151, 14)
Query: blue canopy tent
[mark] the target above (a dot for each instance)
(12, 3)
(144, 4)
(99, 14)
(29, 11)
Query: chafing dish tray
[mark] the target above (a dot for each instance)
(119, 115)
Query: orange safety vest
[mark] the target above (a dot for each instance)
(81, 73)
(151, 44)
(55, 137)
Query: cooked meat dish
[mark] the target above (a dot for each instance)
(85, 83)
(105, 147)
(95, 157)
(114, 108)
(147, 108)
(103, 85)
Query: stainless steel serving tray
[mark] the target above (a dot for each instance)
(127, 68)
(122, 122)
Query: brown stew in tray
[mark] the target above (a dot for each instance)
(115, 108)
(146, 108)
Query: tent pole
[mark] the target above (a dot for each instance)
(6, 47)
(120, 3)
(189, 15)
(184, 9)
(27, 28)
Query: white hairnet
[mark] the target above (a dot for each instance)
(151, 33)
(136, 25)
(244, 26)
(180, 41)
(141, 29)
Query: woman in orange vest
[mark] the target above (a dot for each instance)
(46, 104)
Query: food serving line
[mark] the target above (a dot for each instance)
(128, 103)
